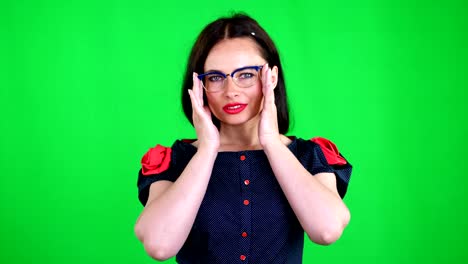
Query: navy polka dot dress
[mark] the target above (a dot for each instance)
(244, 216)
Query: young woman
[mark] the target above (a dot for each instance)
(242, 191)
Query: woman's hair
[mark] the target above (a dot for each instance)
(237, 26)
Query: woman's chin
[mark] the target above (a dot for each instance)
(239, 120)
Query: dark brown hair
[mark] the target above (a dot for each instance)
(236, 26)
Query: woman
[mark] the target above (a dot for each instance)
(242, 191)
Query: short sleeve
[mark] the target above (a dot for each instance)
(162, 163)
(156, 165)
(321, 155)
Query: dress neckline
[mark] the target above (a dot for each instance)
(188, 143)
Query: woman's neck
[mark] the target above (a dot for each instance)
(239, 137)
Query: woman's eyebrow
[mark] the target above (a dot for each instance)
(214, 70)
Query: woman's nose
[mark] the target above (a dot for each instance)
(230, 87)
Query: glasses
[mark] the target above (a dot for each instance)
(244, 77)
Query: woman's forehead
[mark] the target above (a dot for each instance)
(231, 54)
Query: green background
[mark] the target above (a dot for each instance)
(87, 87)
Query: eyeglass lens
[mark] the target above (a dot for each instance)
(243, 78)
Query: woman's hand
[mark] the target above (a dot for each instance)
(207, 133)
(268, 128)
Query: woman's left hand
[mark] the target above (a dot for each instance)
(268, 127)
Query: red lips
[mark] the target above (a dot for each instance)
(234, 108)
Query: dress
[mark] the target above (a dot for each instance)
(244, 216)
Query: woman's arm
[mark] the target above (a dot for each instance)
(314, 199)
(167, 219)
(168, 216)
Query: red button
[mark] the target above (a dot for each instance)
(242, 257)
(244, 234)
(242, 157)
(246, 182)
(246, 202)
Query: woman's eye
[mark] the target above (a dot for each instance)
(215, 78)
(246, 75)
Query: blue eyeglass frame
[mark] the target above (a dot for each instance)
(201, 76)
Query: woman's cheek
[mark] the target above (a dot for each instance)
(213, 107)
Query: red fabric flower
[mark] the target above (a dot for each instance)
(330, 151)
(156, 160)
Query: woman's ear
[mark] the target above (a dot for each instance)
(274, 76)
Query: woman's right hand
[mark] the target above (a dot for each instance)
(207, 132)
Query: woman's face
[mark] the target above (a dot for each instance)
(234, 105)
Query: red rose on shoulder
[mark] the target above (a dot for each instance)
(329, 149)
(156, 160)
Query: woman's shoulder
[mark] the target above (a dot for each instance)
(177, 144)
(319, 154)
(314, 141)
(159, 158)
(326, 146)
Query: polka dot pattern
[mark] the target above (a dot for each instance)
(244, 216)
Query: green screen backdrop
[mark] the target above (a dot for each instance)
(87, 87)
